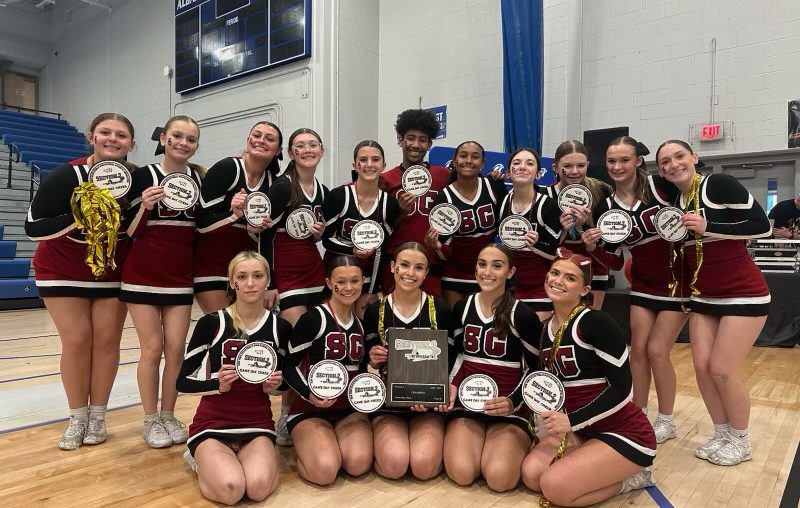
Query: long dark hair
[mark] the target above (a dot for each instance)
(273, 166)
(505, 304)
(453, 173)
(641, 187)
(295, 191)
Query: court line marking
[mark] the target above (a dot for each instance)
(53, 354)
(47, 374)
(659, 497)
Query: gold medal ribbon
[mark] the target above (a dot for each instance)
(693, 202)
(97, 213)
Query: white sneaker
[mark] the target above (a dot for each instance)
(640, 480)
(664, 429)
(705, 450)
(284, 438)
(734, 450)
(72, 439)
(96, 432)
(176, 429)
(187, 456)
(155, 434)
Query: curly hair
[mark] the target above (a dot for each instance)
(418, 119)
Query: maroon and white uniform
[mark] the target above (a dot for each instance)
(221, 235)
(244, 412)
(319, 336)
(650, 272)
(478, 351)
(478, 228)
(158, 268)
(414, 226)
(297, 270)
(729, 281)
(59, 262)
(533, 264)
(592, 362)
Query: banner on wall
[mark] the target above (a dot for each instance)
(794, 124)
(443, 156)
(440, 112)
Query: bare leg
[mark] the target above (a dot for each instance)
(361, 304)
(73, 320)
(108, 318)
(176, 320)
(503, 452)
(642, 321)
(659, 346)
(391, 445)
(260, 466)
(426, 441)
(597, 299)
(219, 472)
(702, 331)
(318, 456)
(212, 301)
(463, 448)
(147, 320)
(354, 433)
(452, 297)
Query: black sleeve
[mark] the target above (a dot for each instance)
(444, 321)
(284, 335)
(190, 379)
(498, 188)
(303, 336)
(50, 214)
(549, 227)
(393, 211)
(604, 334)
(529, 329)
(333, 213)
(747, 218)
(371, 337)
(279, 194)
(215, 209)
(457, 347)
(136, 214)
(664, 191)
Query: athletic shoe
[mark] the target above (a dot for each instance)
(96, 432)
(155, 434)
(187, 456)
(640, 480)
(176, 429)
(284, 438)
(72, 439)
(664, 429)
(734, 450)
(707, 449)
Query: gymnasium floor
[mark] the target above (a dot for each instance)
(125, 472)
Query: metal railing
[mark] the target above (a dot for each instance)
(20, 109)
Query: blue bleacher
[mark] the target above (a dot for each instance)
(40, 131)
(26, 117)
(73, 137)
(16, 287)
(26, 153)
(17, 139)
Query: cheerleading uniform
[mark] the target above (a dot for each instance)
(319, 336)
(413, 226)
(244, 412)
(592, 363)
(59, 262)
(221, 234)
(158, 268)
(533, 264)
(341, 212)
(507, 360)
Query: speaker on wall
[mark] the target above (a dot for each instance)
(597, 142)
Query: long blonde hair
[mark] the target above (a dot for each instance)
(245, 255)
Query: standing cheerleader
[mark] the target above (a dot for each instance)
(494, 335)
(727, 312)
(571, 161)
(231, 438)
(477, 198)
(656, 317)
(345, 206)
(82, 299)
(406, 438)
(157, 279)
(223, 231)
(329, 434)
(533, 261)
(609, 441)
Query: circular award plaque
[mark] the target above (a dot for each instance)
(180, 191)
(542, 391)
(298, 223)
(475, 390)
(366, 393)
(669, 225)
(445, 218)
(327, 378)
(113, 176)
(416, 180)
(256, 362)
(574, 195)
(367, 234)
(512, 231)
(256, 208)
(615, 226)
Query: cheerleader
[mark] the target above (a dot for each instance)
(345, 206)
(157, 279)
(477, 199)
(727, 312)
(609, 442)
(406, 438)
(231, 438)
(571, 161)
(328, 434)
(533, 260)
(493, 335)
(84, 305)
(223, 231)
(656, 317)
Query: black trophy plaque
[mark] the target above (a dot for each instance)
(417, 367)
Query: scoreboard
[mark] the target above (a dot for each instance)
(219, 40)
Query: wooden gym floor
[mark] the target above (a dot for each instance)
(125, 472)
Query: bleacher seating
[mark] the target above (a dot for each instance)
(17, 288)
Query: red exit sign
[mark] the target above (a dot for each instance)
(711, 132)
